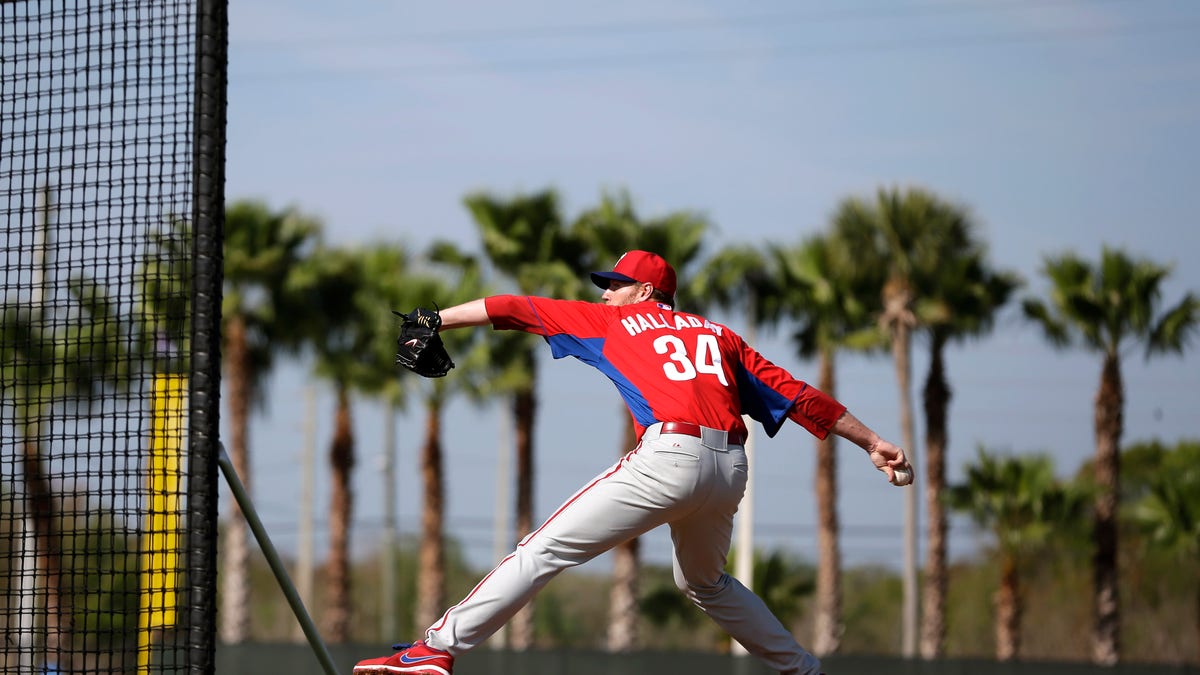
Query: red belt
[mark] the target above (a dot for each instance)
(689, 429)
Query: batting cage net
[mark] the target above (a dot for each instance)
(111, 174)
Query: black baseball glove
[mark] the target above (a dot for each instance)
(419, 347)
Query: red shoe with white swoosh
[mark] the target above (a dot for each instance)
(410, 659)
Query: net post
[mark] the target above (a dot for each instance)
(208, 211)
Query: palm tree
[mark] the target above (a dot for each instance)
(164, 283)
(55, 356)
(262, 249)
(609, 230)
(820, 287)
(525, 240)
(54, 353)
(455, 279)
(960, 302)
(351, 331)
(1169, 512)
(898, 234)
(385, 284)
(782, 582)
(330, 282)
(1108, 307)
(1019, 500)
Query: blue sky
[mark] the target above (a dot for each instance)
(1061, 124)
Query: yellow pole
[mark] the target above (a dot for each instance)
(160, 540)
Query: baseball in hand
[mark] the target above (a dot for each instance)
(901, 477)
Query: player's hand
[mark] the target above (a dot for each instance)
(890, 459)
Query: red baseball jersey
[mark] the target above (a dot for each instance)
(671, 366)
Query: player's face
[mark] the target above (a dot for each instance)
(625, 292)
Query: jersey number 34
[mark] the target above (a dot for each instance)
(682, 366)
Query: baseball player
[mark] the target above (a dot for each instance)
(687, 382)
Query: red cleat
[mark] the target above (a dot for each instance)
(414, 659)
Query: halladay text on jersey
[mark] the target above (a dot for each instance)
(646, 321)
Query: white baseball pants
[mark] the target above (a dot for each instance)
(669, 479)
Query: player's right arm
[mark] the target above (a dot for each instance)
(779, 395)
(885, 455)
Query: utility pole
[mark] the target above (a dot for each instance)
(387, 613)
(743, 561)
(308, 454)
(502, 512)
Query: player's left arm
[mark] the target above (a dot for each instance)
(473, 313)
(541, 316)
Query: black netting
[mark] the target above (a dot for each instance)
(99, 168)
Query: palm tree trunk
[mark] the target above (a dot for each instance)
(937, 401)
(341, 461)
(42, 511)
(524, 410)
(431, 574)
(235, 573)
(1110, 402)
(623, 599)
(1008, 611)
(828, 621)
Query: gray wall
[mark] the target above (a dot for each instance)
(290, 659)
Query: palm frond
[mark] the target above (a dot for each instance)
(1174, 330)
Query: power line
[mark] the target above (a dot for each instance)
(698, 56)
(674, 25)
